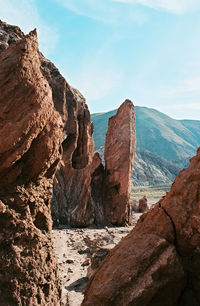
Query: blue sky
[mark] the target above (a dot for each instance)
(145, 50)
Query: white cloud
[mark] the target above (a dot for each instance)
(105, 11)
(174, 6)
(24, 14)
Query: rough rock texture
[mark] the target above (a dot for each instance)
(30, 138)
(119, 155)
(81, 196)
(72, 192)
(71, 197)
(9, 35)
(84, 192)
(158, 263)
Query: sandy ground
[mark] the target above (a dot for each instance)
(74, 247)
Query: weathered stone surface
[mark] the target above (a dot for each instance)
(30, 138)
(84, 191)
(158, 263)
(119, 156)
(81, 193)
(9, 35)
(71, 199)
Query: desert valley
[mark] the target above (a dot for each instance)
(95, 209)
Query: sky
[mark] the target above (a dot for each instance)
(144, 50)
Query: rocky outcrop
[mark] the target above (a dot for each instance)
(30, 137)
(72, 193)
(158, 262)
(119, 155)
(84, 191)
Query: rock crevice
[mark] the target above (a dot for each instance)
(173, 226)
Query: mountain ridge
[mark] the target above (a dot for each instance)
(164, 144)
(182, 137)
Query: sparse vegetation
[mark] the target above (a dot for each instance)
(153, 193)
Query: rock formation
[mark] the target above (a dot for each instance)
(85, 192)
(158, 262)
(30, 137)
(72, 199)
(118, 155)
(143, 206)
(71, 203)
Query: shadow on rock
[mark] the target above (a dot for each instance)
(78, 285)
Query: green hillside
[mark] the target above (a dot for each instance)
(156, 132)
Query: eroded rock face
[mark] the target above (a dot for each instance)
(119, 156)
(158, 262)
(88, 192)
(72, 192)
(30, 137)
(83, 188)
(84, 191)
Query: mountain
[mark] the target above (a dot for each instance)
(164, 145)
(150, 169)
(156, 132)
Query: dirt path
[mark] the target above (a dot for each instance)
(74, 248)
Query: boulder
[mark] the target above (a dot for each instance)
(158, 262)
(30, 137)
(142, 206)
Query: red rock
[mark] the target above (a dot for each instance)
(72, 191)
(158, 262)
(142, 206)
(30, 138)
(119, 156)
(84, 192)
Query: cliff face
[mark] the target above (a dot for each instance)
(85, 192)
(81, 196)
(71, 199)
(30, 137)
(158, 262)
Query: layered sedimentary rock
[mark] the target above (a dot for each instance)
(30, 138)
(119, 155)
(158, 263)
